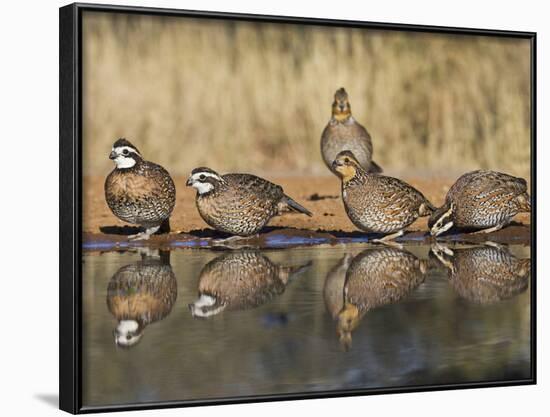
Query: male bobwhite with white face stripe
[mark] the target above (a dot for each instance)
(138, 191)
(239, 204)
(239, 281)
(343, 133)
(140, 294)
(481, 200)
(377, 203)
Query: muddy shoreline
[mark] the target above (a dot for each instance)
(283, 238)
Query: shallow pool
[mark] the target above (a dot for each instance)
(193, 324)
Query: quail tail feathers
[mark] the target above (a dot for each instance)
(374, 168)
(295, 206)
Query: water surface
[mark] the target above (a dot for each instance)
(200, 324)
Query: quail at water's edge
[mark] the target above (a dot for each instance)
(377, 203)
(343, 132)
(239, 204)
(481, 200)
(138, 191)
(373, 278)
(484, 274)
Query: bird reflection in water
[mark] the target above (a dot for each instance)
(239, 281)
(373, 278)
(141, 293)
(484, 274)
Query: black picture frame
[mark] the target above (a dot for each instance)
(70, 203)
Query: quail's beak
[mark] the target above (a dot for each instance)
(112, 155)
(341, 107)
(336, 163)
(189, 182)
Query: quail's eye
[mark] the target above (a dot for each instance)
(202, 177)
(125, 152)
(346, 160)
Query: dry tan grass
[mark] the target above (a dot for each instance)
(256, 97)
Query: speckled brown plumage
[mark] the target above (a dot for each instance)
(240, 280)
(239, 204)
(481, 200)
(343, 132)
(484, 274)
(375, 277)
(143, 194)
(377, 203)
(333, 289)
(144, 292)
(382, 276)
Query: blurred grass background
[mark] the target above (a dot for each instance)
(256, 97)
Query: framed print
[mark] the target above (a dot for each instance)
(259, 208)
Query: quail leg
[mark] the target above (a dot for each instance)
(388, 239)
(145, 235)
(495, 245)
(232, 241)
(490, 229)
(147, 252)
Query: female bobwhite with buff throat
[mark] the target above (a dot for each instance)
(343, 133)
(377, 203)
(239, 204)
(138, 191)
(481, 200)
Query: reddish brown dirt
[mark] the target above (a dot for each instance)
(321, 195)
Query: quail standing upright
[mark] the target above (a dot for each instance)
(343, 133)
(239, 204)
(377, 203)
(481, 200)
(138, 191)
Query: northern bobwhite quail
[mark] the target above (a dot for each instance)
(139, 294)
(138, 191)
(481, 200)
(239, 204)
(484, 274)
(377, 203)
(239, 281)
(375, 277)
(343, 132)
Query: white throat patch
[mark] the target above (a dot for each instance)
(203, 187)
(200, 307)
(127, 326)
(124, 162)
